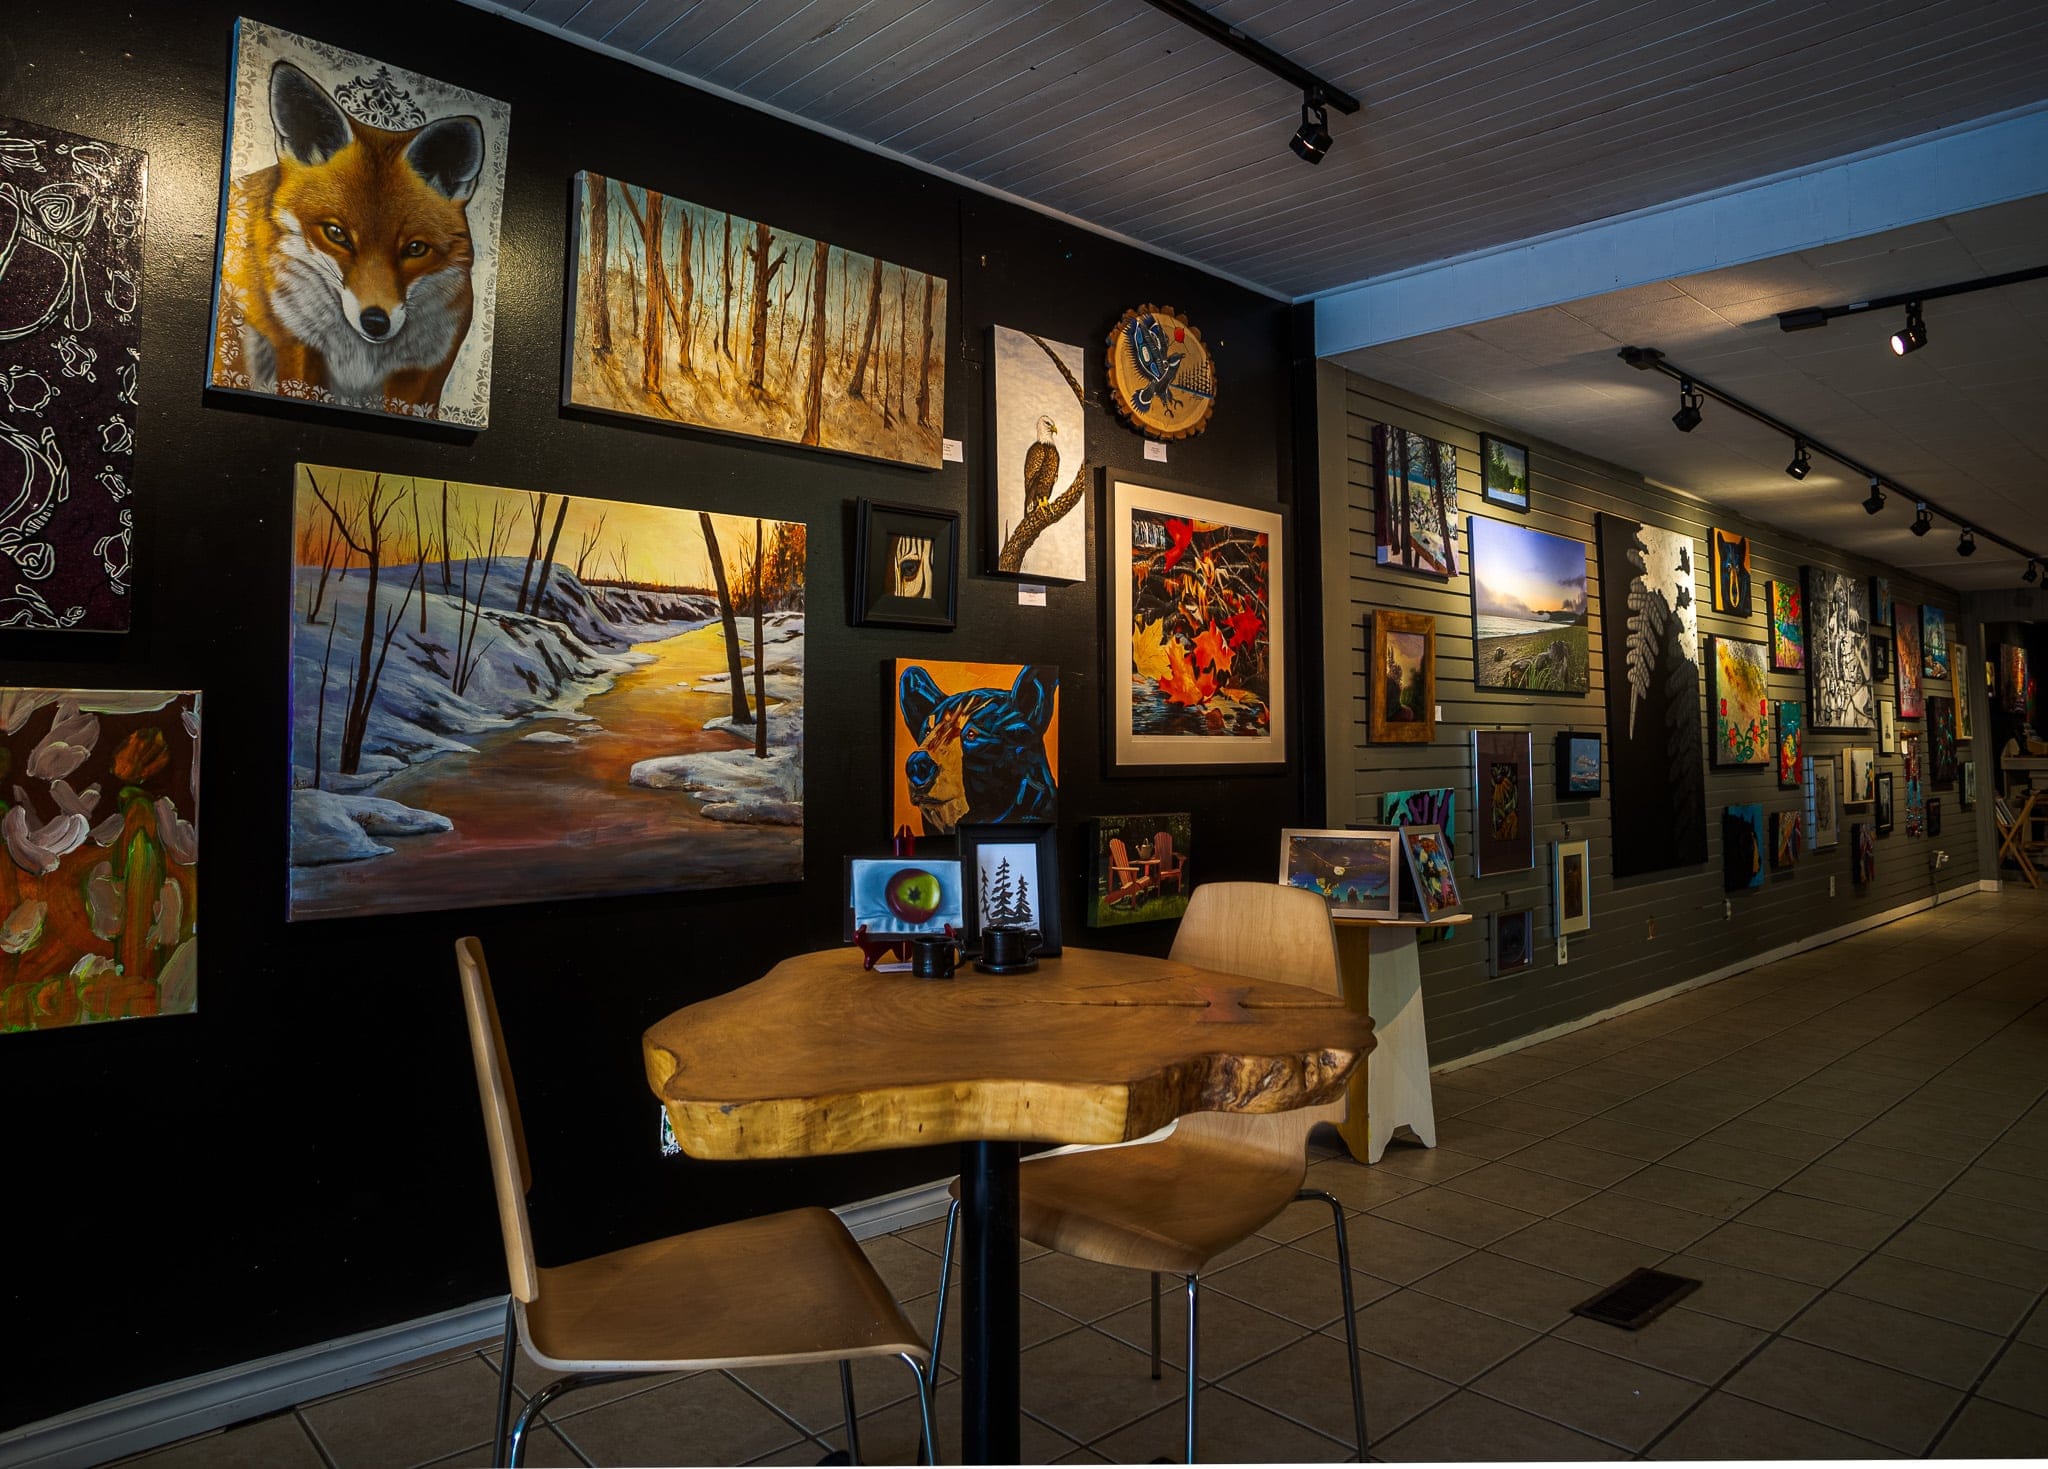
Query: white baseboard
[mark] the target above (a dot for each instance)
(1727, 971)
(159, 1415)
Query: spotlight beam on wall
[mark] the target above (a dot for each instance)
(1808, 317)
(1649, 359)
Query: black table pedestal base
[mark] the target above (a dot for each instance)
(989, 1321)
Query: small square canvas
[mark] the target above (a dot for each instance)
(1731, 573)
(1504, 802)
(1571, 886)
(1578, 765)
(903, 895)
(1788, 628)
(1933, 642)
(1430, 870)
(1787, 829)
(1742, 847)
(1741, 703)
(1859, 788)
(1791, 742)
(1139, 871)
(1358, 873)
(1513, 946)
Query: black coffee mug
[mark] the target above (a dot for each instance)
(934, 956)
(1006, 946)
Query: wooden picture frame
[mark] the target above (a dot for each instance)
(1040, 892)
(1504, 473)
(1571, 887)
(886, 592)
(1398, 669)
(1358, 874)
(1579, 756)
(1180, 699)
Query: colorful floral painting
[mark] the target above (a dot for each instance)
(1791, 742)
(1196, 673)
(1741, 702)
(1906, 629)
(1933, 642)
(1788, 628)
(99, 889)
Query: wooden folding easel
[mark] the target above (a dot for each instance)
(2014, 830)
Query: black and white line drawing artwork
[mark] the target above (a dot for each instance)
(1839, 694)
(71, 223)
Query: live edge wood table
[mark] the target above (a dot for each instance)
(822, 1057)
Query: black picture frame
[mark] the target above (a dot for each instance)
(1043, 838)
(875, 602)
(1884, 803)
(1503, 496)
(1566, 790)
(1881, 658)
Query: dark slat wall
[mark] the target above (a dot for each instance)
(1649, 932)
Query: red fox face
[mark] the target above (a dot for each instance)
(375, 211)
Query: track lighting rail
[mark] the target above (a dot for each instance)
(1808, 317)
(1650, 359)
(1313, 88)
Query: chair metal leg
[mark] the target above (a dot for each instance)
(548, 1394)
(1194, 1373)
(1155, 1326)
(929, 1450)
(846, 1400)
(507, 1355)
(1350, 1312)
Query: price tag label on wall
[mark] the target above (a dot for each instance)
(1029, 595)
(952, 451)
(1155, 451)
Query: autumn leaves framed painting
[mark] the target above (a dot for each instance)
(1195, 636)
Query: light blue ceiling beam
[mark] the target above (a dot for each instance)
(1991, 161)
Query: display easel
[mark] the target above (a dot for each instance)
(1382, 975)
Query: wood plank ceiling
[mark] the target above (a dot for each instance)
(1484, 122)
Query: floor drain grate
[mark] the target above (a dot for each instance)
(1637, 1299)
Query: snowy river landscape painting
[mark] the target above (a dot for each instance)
(501, 696)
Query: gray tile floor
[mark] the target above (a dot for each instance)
(1849, 1148)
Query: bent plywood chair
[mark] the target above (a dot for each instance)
(785, 1288)
(1172, 1206)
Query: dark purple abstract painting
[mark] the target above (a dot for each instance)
(71, 214)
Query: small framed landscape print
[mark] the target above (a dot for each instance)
(1513, 932)
(1010, 877)
(1571, 886)
(903, 896)
(1505, 467)
(906, 564)
(1578, 765)
(1193, 684)
(1402, 679)
(1860, 788)
(1357, 873)
(1429, 869)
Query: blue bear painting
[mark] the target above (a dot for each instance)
(975, 742)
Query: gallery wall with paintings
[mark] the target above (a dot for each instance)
(1697, 689)
(596, 578)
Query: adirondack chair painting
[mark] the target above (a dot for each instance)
(1134, 860)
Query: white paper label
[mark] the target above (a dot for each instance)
(1029, 595)
(1439, 714)
(952, 451)
(1155, 451)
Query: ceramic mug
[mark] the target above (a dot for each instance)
(1004, 947)
(934, 956)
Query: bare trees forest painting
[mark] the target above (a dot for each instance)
(500, 696)
(699, 317)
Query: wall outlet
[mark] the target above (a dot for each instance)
(1564, 951)
(1831, 887)
(1728, 908)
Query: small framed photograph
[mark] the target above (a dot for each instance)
(906, 566)
(1571, 886)
(901, 896)
(1011, 877)
(1824, 801)
(1430, 870)
(1357, 873)
(1884, 803)
(1513, 933)
(1504, 466)
(1966, 782)
(1859, 788)
(1887, 727)
(1578, 765)
(1881, 657)
(1402, 678)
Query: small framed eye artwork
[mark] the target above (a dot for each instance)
(906, 566)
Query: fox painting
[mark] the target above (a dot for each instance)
(358, 234)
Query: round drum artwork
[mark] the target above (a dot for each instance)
(1160, 375)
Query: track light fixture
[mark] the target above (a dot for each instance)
(1687, 418)
(1966, 543)
(1914, 337)
(1923, 519)
(1312, 139)
(1801, 465)
(2033, 573)
(1876, 501)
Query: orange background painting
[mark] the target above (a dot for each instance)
(952, 677)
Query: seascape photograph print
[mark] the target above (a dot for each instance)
(1529, 609)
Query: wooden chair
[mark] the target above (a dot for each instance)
(1173, 1205)
(1126, 880)
(785, 1288)
(1170, 869)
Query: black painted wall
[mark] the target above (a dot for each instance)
(304, 1158)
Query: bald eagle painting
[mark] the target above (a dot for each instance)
(1039, 526)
